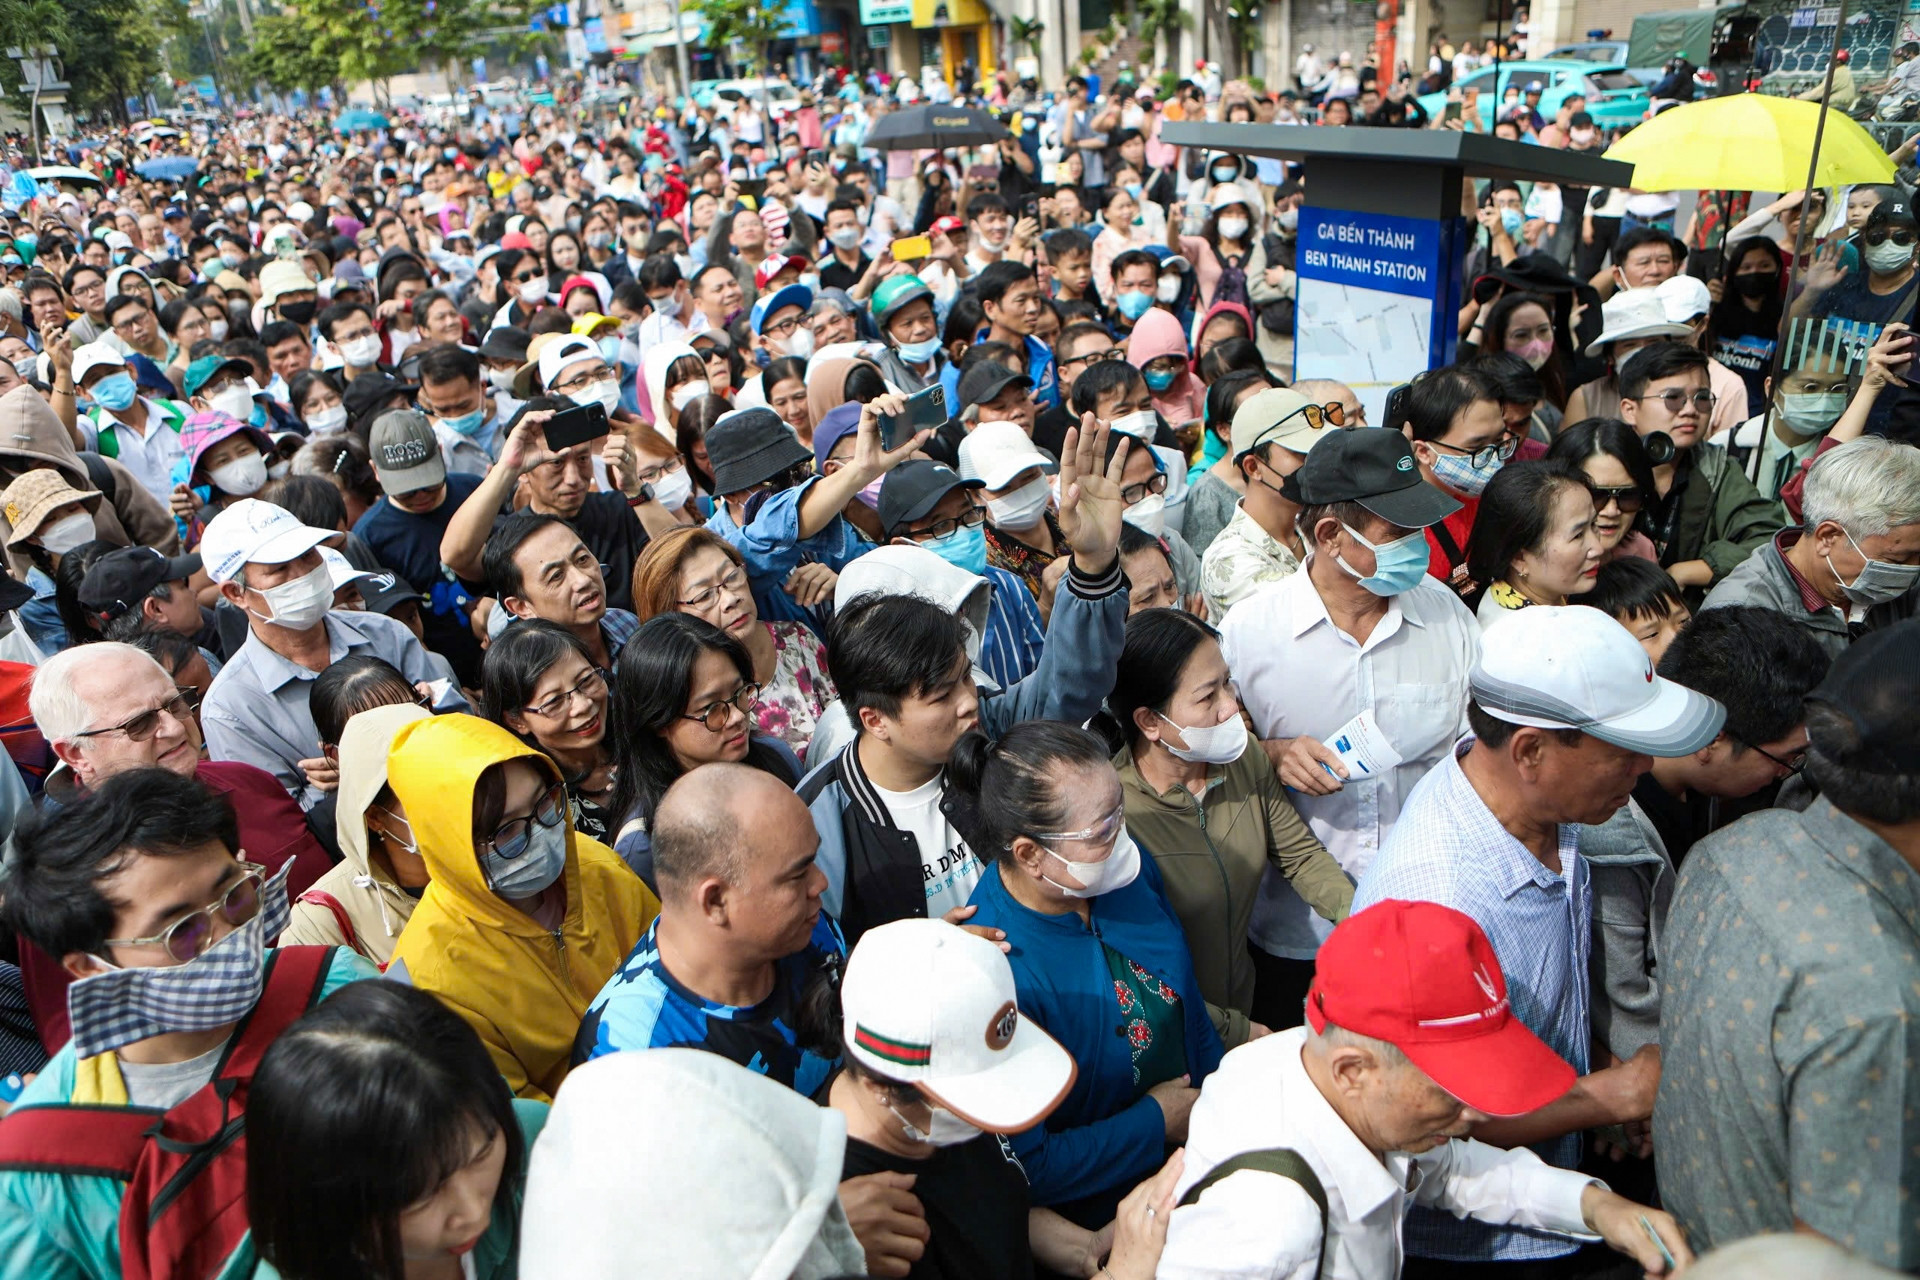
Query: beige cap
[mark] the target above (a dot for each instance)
(28, 499)
(1275, 416)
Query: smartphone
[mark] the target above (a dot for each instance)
(817, 156)
(926, 410)
(1030, 208)
(755, 187)
(577, 425)
(911, 248)
(1452, 113)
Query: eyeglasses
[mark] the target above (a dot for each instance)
(191, 692)
(1095, 357)
(1880, 235)
(1101, 832)
(1487, 454)
(133, 321)
(716, 714)
(559, 704)
(143, 726)
(733, 581)
(510, 838)
(781, 328)
(1793, 764)
(1135, 492)
(654, 474)
(1628, 497)
(1675, 398)
(972, 519)
(591, 378)
(190, 935)
(522, 279)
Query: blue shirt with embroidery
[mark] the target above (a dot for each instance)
(643, 1007)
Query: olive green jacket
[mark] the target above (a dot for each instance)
(1212, 852)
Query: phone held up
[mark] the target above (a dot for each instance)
(581, 423)
(926, 410)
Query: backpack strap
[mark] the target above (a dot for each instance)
(1281, 1162)
(294, 979)
(100, 475)
(321, 898)
(95, 1141)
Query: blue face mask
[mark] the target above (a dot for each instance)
(1397, 566)
(1512, 221)
(1460, 475)
(1133, 189)
(610, 350)
(964, 548)
(1133, 304)
(115, 393)
(467, 423)
(1159, 379)
(919, 352)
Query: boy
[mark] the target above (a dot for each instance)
(1070, 258)
(1643, 598)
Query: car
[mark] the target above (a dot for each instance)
(1606, 51)
(777, 95)
(1615, 99)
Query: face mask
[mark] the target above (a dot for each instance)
(235, 402)
(1534, 353)
(599, 240)
(1133, 189)
(1888, 257)
(667, 308)
(1149, 515)
(944, 1130)
(686, 264)
(1582, 137)
(219, 330)
(1021, 509)
(534, 291)
(299, 604)
(66, 533)
(919, 352)
(1216, 744)
(800, 343)
(279, 470)
(331, 418)
(360, 353)
(27, 366)
(845, 238)
(241, 477)
(964, 548)
(300, 313)
(1755, 284)
(1168, 289)
(604, 394)
(231, 261)
(114, 393)
(220, 985)
(467, 423)
(871, 494)
(1511, 220)
(1397, 566)
(539, 864)
(1133, 304)
(1878, 580)
(1117, 871)
(687, 392)
(501, 379)
(1138, 425)
(673, 489)
(1225, 172)
(1461, 476)
(1811, 413)
(1233, 228)
(1159, 379)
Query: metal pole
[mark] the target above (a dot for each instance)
(680, 49)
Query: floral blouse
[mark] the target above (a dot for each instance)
(799, 690)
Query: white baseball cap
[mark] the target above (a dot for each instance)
(1574, 667)
(1635, 313)
(570, 349)
(1683, 298)
(927, 1002)
(95, 355)
(256, 532)
(995, 452)
(341, 569)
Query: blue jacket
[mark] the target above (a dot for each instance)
(772, 547)
(1101, 1140)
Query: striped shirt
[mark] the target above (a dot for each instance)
(1449, 848)
(1011, 648)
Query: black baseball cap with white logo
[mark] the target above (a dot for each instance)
(1374, 467)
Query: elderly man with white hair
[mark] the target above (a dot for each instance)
(1853, 566)
(107, 708)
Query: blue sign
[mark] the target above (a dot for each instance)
(1373, 250)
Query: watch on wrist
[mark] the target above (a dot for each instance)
(643, 497)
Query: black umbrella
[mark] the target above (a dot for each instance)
(930, 127)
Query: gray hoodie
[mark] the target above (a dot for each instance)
(1632, 889)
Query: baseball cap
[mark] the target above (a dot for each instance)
(406, 454)
(986, 380)
(914, 488)
(995, 452)
(1574, 667)
(1872, 686)
(505, 342)
(1372, 466)
(33, 495)
(928, 1003)
(1222, 194)
(203, 370)
(773, 264)
(748, 446)
(838, 423)
(120, 580)
(95, 355)
(592, 320)
(570, 349)
(794, 295)
(368, 395)
(340, 569)
(1891, 212)
(202, 431)
(1683, 298)
(1424, 978)
(1635, 313)
(1279, 416)
(254, 532)
(386, 591)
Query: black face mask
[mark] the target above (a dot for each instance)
(300, 313)
(1755, 284)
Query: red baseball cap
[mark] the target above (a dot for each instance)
(1424, 978)
(945, 226)
(774, 264)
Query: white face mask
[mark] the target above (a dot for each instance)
(1169, 287)
(66, 533)
(534, 291)
(1149, 515)
(1216, 744)
(218, 330)
(1233, 228)
(1116, 871)
(235, 402)
(299, 604)
(1022, 509)
(241, 477)
(800, 343)
(361, 352)
(673, 489)
(1138, 425)
(945, 1129)
(604, 394)
(501, 379)
(687, 392)
(667, 308)
(331, 418)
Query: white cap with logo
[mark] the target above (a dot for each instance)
(928, 1003)
(252, 531)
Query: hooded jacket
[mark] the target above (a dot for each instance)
(1157, 334)
(653, 370)
(678, 1162)
(375, 907)
(523, 989)
(31, 436)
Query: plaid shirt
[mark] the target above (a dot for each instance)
(1449, 848)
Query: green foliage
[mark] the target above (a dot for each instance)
(32, 23)
(1028, 32)
(751, 22)
(320, 42)
(111, 50)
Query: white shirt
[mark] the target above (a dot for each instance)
(657, 328)
(949, 868)
(1299, 674)
(1260, 1224)
(149, 456)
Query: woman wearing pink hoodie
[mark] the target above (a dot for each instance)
(1158, 348)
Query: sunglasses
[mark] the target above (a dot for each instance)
(190, 935)
(143, 726)
(1628, 497)
(1880, 235)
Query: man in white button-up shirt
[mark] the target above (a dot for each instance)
(1411, 1042)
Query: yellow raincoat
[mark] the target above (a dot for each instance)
(521, 987)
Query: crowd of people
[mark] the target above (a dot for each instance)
(599, 698)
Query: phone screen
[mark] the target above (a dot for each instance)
(577, 425)
(1452, 112)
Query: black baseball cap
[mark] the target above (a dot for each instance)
(986, 380)
(1374, 467)
(383, 592)
(1872, 686)
(506, 342)
(749, 446)
(1895, 212)
(914, 488)
(369, 395)
(120, 580)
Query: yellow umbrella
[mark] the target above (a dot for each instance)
(1749, 142)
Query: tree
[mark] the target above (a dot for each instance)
(751, 22)
(111, 51)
